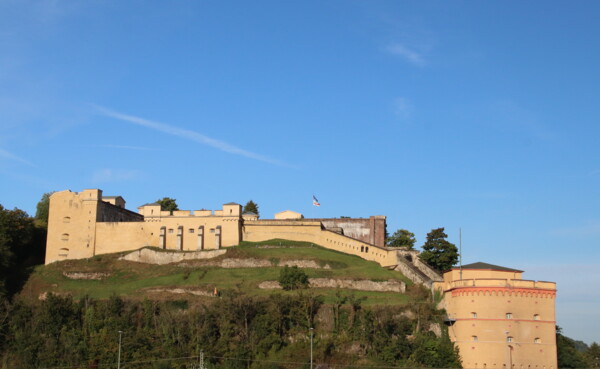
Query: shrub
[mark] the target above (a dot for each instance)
(292, 278)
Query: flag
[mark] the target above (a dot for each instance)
(315, 201)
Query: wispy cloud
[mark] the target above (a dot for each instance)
(115, 175)
(590, 229)
(410, 55)
(125, 147)
(187, 134)
(403, 108)
(10, 156)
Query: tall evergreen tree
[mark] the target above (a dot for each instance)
(440, 254)
(251, 207)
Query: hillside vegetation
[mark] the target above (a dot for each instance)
(139, 280)
(58, 321)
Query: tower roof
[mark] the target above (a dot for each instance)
(481, 265)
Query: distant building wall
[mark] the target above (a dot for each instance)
(288, 214)
(370, 230)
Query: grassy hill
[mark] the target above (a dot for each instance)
(139, 280)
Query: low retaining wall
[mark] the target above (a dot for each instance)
(361, 285)
(150, 256)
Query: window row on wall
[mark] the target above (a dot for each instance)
(507, 316)
(362, 248)
(190, 230)
(509, 339)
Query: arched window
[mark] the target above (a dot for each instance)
(362, 249)
(64, 237)
(67, 220)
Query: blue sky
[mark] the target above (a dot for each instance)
(474, 115)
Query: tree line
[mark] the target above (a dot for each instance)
(234, 331)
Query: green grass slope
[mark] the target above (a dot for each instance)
(139, 280)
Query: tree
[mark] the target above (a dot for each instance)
(402, 238)
(251, 207)
(438, 252)
(593, 355)
(567, 353)
(43, 210)
(292, 278)
(168, 204)
(17, 236)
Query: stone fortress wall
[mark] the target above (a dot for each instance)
(86, 224)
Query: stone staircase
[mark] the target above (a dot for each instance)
(415, 269)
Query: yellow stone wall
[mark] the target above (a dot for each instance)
(82, 225)
(500, 320)
(71, 225)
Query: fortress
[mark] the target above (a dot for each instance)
(497, 319)
(85, 224)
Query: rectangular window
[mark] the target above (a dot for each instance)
(170, 230)
(509, 339)
(191, 230)
(474, 315)
(212, 230)
(508, 315)
(474, 338)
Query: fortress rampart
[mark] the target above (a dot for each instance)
(85, 224)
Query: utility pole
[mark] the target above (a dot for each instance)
(311, 347)
(119, 357)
